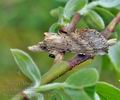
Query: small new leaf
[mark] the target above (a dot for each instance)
(56, 12)
(54, 28)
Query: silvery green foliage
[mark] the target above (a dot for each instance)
(73, 6)
(109, 3)
(30, 70)
(27, 65)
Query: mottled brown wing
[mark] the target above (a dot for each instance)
(94, 39)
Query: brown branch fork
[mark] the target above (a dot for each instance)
(59, 69)
(106, 33)
(47, 78)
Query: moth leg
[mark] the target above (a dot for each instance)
(59, 57)
(83, 55)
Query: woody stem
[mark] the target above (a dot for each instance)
(79, 58)
(72, 25)
(111, 26)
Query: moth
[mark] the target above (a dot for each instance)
(83, 41)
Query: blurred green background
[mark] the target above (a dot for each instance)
(22, 23)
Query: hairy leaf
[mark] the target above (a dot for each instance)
(77, 94)
(109, 3)
(54, 28)
(106, 15)
(27, 65)
(117, 30)
(59, 95)
(56, 12)
(39, 97)
(114, 55)
(73, 6)
(94, 20)
(83, 78)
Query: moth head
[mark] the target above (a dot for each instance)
(39, 47)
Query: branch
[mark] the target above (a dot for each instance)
(62, 67)
(72, 26)
(50, 76)
(78, 59)
(110, 28)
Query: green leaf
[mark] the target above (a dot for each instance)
(35, 96)
(106, 15)
(77, 94)
(54, 28)
(56, 12)
(32, 95)
(108, 91)
(73, 6)
(70, 94)
(117, 30)
(90, 91)
(96, 96)
(67, 94)
(109, 3)
(27, 65)
(83, 78)
(114, 55)
(82, 24)
(39, 96)
(59, 95)
(94, 20)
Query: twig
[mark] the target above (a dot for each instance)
(107, 33)
(62, 67)
(110, 28)
(72, 26)
(79, 58)
(56, 71)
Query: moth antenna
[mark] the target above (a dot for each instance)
(58, 57)
(39, 47)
